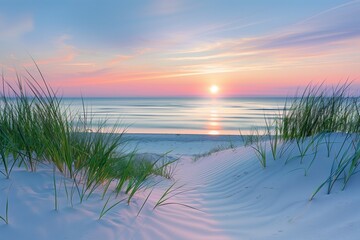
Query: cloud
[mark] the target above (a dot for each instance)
(324, 38)
(118, 59)
(332, 10)
(311, 38)
(330, 26)
(65, 52)
(85, 74)
(232, 26)
(165, 7)
(15, 28)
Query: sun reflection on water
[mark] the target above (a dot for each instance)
(213, 124)
(214, 132)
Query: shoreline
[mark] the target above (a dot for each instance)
(180, 137)
(180, 144)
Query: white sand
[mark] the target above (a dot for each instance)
(235, 198)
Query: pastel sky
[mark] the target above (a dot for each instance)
(180, 48)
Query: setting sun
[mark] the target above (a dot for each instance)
(180, 117)
(214, 89)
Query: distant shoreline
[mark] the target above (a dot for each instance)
(180, 137)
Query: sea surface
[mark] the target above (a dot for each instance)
(225, 116)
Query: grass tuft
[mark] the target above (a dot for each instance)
(308, 120)
(37, 128)
(321, 110)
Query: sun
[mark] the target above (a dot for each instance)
(214, 89)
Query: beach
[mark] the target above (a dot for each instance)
(176, 120)
(220, 191)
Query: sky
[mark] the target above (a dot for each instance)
(181, 48)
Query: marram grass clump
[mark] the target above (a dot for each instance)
(36, 128)
(311, 120)
(320, 110)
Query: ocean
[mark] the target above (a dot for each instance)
(221, 116)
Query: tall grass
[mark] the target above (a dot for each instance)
(344, 165)
(321, 110)
(273, 135)
(5, 218)
(36, 127)
(213, 150)
(307, 120)
(257, 142)
(317, 112)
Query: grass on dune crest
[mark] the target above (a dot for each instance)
(36, 128)
(320, 110)
(213, 150)
(309, 121)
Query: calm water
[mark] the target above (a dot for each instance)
(182, 115)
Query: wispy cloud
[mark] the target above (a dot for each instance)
(305, 44)
(168, 42)
(232, 26)
(165, 7)
(333, 25)
(15, 27)
(324, 35)
(120, 58)
(331, 10)
(64, 52)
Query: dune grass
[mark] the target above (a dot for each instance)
(321, 110)
(308, 121)
(318, 112)
(213, 150)
(5, 217)
(37, 128)
(257, 141)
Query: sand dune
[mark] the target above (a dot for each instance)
(233, 197)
